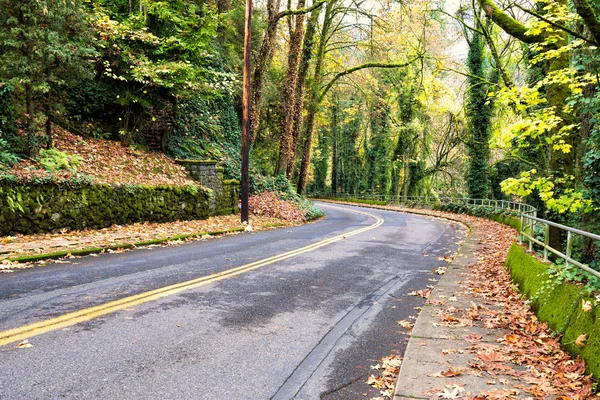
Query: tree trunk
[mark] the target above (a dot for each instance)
(334, 153)
(261, 65)
(48, 112)
(314, 99)
(288, 95)
(298, 105)
(30, 120)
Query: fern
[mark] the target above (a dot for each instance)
(53, 160)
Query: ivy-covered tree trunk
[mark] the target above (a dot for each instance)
(298, 105)
(479, 116)
(261, 65)
(334, 154)
(288, 96)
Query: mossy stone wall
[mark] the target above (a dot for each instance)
(41, 208)
(558, 305)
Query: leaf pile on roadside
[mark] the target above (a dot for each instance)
(268, 204)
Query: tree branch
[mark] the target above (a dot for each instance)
(363, 66)
(300, 11)
(494, 50)
(507, 23)
(586, 12)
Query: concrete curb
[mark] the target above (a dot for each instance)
(120, 246)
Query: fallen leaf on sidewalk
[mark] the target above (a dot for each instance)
(451, 393)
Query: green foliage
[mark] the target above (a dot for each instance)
(7, 157)
(208, 129)
(277, 184)
(44, 46)
(7, 110)
(53, 160)
(310, 210)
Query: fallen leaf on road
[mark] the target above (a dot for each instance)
(421, 293)
(24, 344)
(405, 324)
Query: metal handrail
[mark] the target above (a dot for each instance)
(526, 212)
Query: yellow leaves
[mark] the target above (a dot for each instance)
(581, 339)
(569, 200)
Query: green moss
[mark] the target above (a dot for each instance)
(585, 323)
(31, 209)
(556, 305)
(527, 272)
(559, 306)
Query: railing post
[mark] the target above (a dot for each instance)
(569, 246)
(530, 234)
(546, 241)
(521, 229)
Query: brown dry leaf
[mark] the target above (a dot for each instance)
(581, 339)
(376, 381)
(405, 324)
(421, 293)
(449, 373)
(586, 306)
(391, 362)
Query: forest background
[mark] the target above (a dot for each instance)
(480, 98)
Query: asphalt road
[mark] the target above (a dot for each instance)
(306, 327)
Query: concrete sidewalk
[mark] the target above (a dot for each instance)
(436, 360)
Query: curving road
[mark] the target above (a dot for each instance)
(186, 322)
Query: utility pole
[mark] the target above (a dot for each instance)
(246, 112)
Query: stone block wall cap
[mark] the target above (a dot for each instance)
(196, 162)
(220, 169)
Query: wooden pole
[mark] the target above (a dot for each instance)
(246, 112)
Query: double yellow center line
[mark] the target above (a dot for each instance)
(87, 314)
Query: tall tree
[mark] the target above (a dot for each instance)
(45, 44)
(288, 95)
(478, 110)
